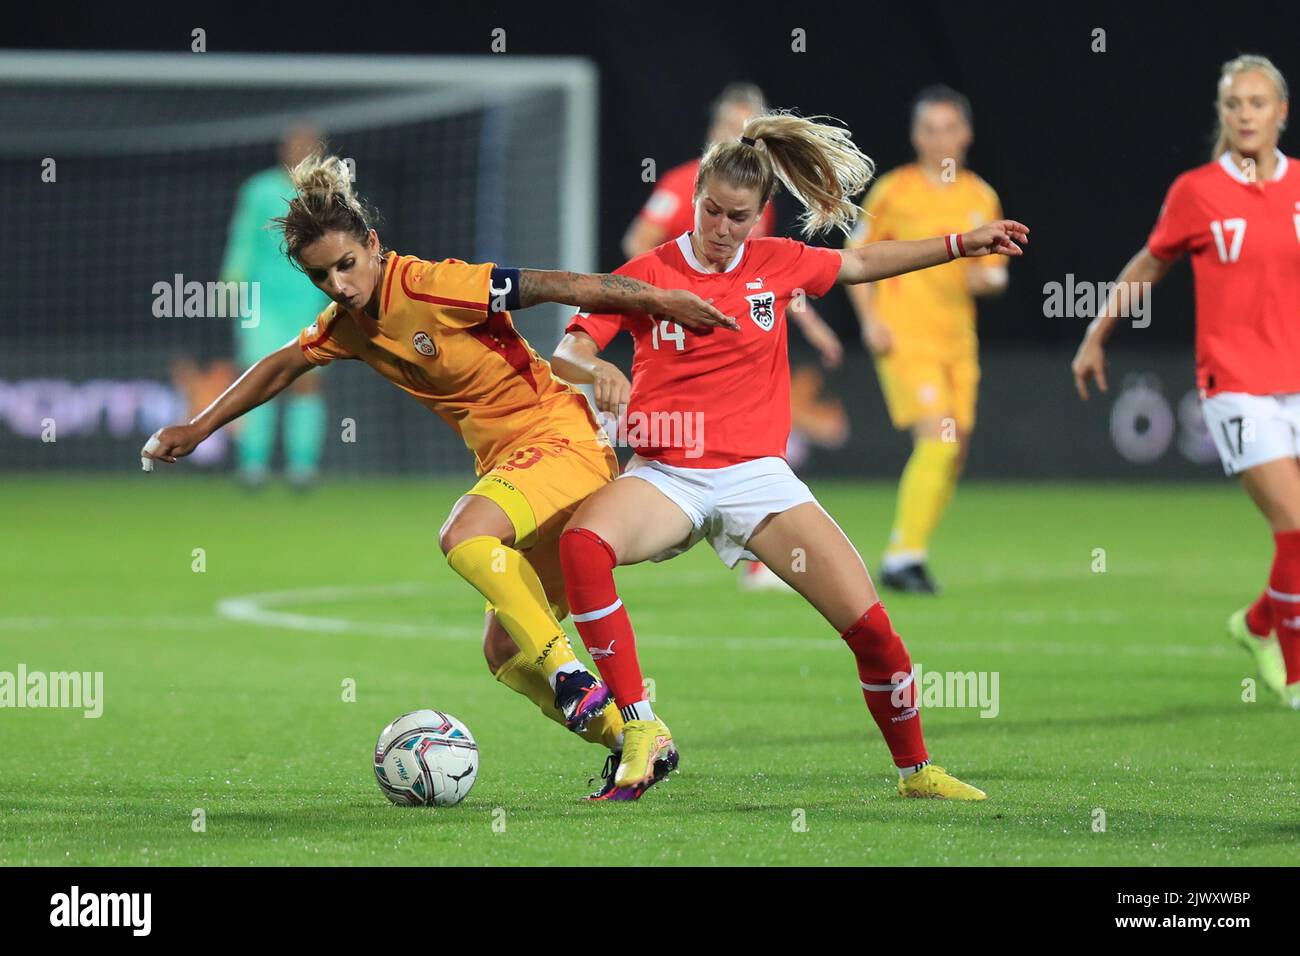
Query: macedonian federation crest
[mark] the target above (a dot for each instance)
(423, 344)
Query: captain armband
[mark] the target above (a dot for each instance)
(503, 287)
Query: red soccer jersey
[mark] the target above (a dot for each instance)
(707, 400)
(672, 205)
(1244, 239)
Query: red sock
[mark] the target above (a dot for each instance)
(1284, 596)
(881, 657)
(588, 563)
(1259, 616)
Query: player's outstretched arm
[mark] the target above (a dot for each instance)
(576, 360)
(642, 236)
(875, 334)
(819, 335)
(880, 260)
(991, 281)
(261, 383)
(1090, 360)
(615, 293)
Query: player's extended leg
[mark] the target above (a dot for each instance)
(254, 443)
(625, 522)
(477, 539)
(518, 671)
(926, 487)
(515, 669)
(304, 430)
(829, 573)
(1274, 486)
(935, 401)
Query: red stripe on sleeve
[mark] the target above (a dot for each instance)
(438, 299)
(499, 335)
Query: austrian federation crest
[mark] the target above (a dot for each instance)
(762, 309)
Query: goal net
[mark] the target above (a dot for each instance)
(119, 174)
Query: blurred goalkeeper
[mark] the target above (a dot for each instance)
(253, 255)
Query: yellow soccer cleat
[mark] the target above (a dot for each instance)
(1265, 650)
(935, 782)
(644, 742)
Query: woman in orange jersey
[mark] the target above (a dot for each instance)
(442, 332)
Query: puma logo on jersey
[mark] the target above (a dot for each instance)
(600, 653)
(762, 309)
(423, 344)
(1291, 622)
(756, 284)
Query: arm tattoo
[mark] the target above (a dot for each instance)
(594, 293)
(623, 283)
(530, 291)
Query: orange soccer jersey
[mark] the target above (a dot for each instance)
(437, 339)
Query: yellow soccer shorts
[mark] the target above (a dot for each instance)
(539, 486)
(917, 388)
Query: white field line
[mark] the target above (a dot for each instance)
(260, 609)
(267, 609)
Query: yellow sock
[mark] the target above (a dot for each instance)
(522, 676)
(924, 491)
(511, 586)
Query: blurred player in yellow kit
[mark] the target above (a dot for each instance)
(920, 326)
(442, 332)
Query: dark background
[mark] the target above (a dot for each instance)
(1080, 145)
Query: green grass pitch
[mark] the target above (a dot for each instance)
(1119, 691)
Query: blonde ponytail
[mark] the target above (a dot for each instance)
(818, 163)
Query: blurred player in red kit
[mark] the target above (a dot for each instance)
(1238, 218)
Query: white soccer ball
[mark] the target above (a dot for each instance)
(426, 758)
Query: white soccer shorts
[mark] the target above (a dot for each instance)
(1249, 430)
(726, 504)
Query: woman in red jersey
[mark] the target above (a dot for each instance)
(709, 416)
(1238, 217)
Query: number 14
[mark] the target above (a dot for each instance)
(672, 332)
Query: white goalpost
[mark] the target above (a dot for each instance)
(120, 170)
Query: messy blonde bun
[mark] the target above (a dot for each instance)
(323, 202)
